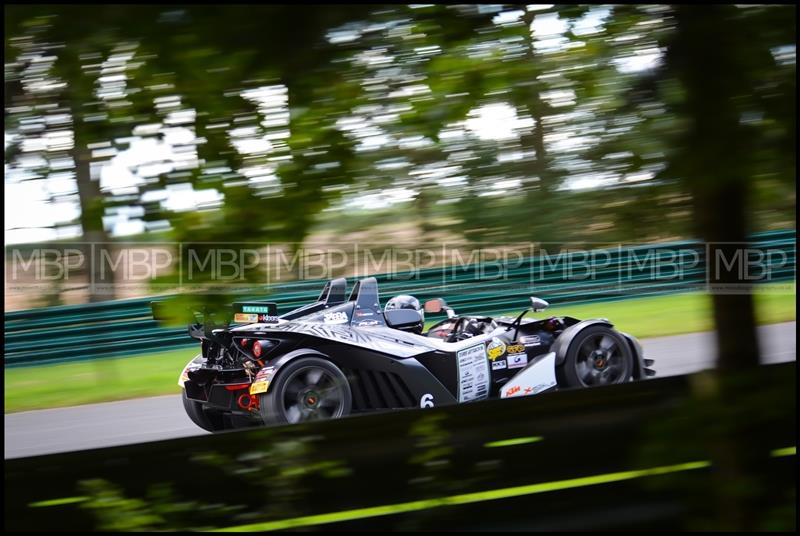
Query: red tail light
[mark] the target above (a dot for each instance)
(261, 347)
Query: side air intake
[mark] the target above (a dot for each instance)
(374, 389)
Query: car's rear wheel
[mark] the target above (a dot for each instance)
(598, 355)
(306, 389)
(209, 420)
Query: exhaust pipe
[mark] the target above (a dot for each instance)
(247, 402)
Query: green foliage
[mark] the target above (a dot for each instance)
(367, 100)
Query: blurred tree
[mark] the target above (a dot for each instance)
(737, 125)
(291, 112)
(723, 59)
(194, 62)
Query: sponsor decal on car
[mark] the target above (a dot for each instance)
(259, 387)
(473, 373)
(497, 365)
(364, 313)
(515, 348)
(261, 384)
(495, 348)
(265, 372)
(249, 318)
(255, 309)
(367, 323)
(527, 390)
(531, 340)
(537, 377)
(335, 318)
(517, 360)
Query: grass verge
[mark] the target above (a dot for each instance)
(105, 380)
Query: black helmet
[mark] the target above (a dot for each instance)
(404, 301)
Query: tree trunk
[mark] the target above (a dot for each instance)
(715, 165)
(539, 198)
(706, 56)
(95, 237)
(80, 92)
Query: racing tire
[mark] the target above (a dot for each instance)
(598, 355)
(208, 420)
(306, 389)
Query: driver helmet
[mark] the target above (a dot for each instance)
(404, 301)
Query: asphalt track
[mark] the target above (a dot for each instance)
(32, 433)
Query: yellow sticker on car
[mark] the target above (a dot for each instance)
(515, 348)
(495, 349)
(243, 317)
(258, 387)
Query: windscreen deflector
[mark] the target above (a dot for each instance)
(333, 293)
(368, 308)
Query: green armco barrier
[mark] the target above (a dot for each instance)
(126, 327)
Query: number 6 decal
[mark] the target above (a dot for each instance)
(426, 401)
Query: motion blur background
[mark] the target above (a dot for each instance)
(419, 123)
(414, 124)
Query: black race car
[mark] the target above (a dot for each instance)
(340, 356)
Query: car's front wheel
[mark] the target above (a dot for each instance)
(306, 389)
(598, 355)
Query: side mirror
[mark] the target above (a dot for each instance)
(435, 305)
(538, 304)
(404, 320)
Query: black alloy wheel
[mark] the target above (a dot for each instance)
(306, 389)
(598, 355)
